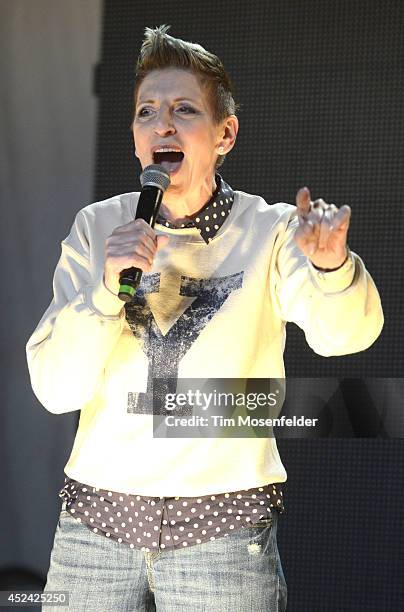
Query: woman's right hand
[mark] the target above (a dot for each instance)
(134, 244)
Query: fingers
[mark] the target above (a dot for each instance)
(144, 234)
(333, 220)
(303, 203)
(134, 244)
(162, 241)
(312, 226)
(342, 218)
(324, 229)
(138, 225)
(322, 226)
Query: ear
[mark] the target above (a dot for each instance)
(229, 133)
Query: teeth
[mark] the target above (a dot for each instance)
(164, 149)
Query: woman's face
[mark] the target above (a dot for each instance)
(172, 110)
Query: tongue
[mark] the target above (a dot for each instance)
(170, 166)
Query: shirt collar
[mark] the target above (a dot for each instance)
(210, 218)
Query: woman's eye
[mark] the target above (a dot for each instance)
(187, 109)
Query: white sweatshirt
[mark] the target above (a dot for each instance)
(205, 310)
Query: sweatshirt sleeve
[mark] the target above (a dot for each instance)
(340, 312)
(68, 349)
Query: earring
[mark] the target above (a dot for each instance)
(221, 150)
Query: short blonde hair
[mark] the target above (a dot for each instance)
(160, 50)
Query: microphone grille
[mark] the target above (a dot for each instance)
(156, 176)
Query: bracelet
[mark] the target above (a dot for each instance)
(330, 269)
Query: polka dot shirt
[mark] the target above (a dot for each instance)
(157, 523)
(210, 218)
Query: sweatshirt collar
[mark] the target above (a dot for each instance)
(209, 219)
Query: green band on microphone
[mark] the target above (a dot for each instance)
(126, 290)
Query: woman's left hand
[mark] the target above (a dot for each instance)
(322, 231)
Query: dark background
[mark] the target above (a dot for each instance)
(321, 89)
(320, 86)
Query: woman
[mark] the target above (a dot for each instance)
(156, 523)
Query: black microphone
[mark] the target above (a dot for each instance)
(154, 180)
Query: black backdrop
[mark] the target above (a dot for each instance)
(321, 88)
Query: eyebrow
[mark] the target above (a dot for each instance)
(175, 100)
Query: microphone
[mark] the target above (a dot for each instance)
(154, 180)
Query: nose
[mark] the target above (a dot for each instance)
(164, 123)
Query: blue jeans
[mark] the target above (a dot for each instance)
(238, 573)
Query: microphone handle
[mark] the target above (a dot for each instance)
(148, 207)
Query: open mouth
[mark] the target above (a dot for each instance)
(170, 160)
